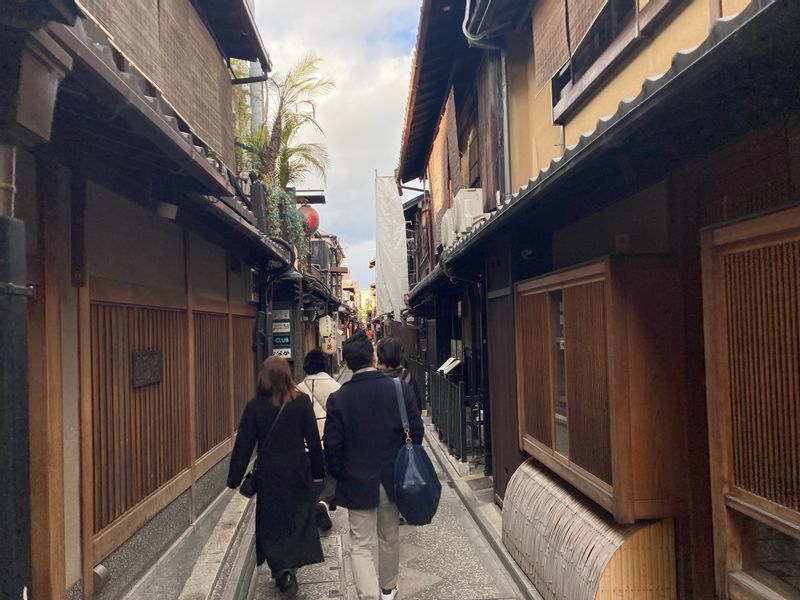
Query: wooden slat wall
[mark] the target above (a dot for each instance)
(762, 289)
(587, 380)
(211, 380)
(533, 355)
(243, 357)
(139, 434)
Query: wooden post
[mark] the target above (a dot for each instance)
(231, 399)
(79, 279)
(191, 414)
(45, 419)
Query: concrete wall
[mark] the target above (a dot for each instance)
(129, 243)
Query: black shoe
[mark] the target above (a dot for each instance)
(323, 518)
(287, 583)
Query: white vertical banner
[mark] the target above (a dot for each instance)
(391, 258)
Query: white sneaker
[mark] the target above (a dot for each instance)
(391, 595)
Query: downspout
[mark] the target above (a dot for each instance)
(477, 41)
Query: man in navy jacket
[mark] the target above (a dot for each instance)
(363, 433)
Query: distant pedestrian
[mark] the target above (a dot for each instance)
(391, 356)
(281, 423)
(363, 433)
(319, 385)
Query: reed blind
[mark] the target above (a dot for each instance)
(762, 291)
(139, 432)
(533, 357)
(587, 379)
(211, 380)
(550, 47)
(582, 13)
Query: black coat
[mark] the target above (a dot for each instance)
(363, 433)
(286, 533)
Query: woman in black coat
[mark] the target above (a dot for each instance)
(286, 532)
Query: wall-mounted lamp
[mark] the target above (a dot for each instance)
(167, 210)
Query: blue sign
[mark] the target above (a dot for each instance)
(281, 340)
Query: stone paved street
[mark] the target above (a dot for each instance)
(448, 559)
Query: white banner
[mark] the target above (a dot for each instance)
(391, 259)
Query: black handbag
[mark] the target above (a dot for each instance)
(417, 488)
(248, 485)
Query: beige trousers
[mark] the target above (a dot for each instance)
(368, 528)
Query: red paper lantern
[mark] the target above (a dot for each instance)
(309, 218)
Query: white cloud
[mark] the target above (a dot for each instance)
(367, 48)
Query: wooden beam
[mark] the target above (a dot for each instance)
(86, 439)
(231, 398)
(45, 404)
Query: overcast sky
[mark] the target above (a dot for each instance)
(366, 46)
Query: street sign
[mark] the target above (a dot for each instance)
(281, 314)
(326, 326)
(281, 340)
(281, 327)
(282, 352)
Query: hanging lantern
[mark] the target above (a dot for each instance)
(309, 218)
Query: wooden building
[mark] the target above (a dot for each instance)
(146, 270)
(640, 273)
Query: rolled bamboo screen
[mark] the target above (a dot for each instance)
(550, 47)
(571, 549)
(169, 43)
(582, 14)
(139, 432)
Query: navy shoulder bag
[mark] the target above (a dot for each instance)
(416, 486)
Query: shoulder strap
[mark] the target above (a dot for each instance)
(401, 403)
(275, 422)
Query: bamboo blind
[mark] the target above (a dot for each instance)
(586, 374)
(762, 290)
(211, 380)
(139, 433)
(550, 48)
(582, 13)
(168, 42)
(535, 366)
(243, 364)
(572, 550)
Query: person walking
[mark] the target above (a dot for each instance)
(363, 433)
(281, 423)
(391, 355)
(319, 385)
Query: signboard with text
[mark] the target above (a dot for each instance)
(281, 340)
(281, 327)
(282, 352)
(281, 314)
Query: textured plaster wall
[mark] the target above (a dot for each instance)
(732, 7)
(129, 243)
(207, 265)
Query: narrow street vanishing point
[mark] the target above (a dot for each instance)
(564, 233)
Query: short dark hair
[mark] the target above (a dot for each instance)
(315, 362)
(357, 351)
(390, 352)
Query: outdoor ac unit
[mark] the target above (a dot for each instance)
(448, 233)
(468, 206)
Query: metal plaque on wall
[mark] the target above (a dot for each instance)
(146, 368)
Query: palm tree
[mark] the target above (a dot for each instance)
(278, 156)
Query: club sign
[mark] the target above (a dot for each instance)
(281, 340)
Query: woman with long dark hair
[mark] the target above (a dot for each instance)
(280, 421)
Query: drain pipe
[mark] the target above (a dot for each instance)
(477, 41)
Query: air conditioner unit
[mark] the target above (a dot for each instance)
(448, 233)
(468, 206)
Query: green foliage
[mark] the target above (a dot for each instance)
(278, 200)
(241, 114)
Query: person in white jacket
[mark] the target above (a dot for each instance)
(319, 385)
